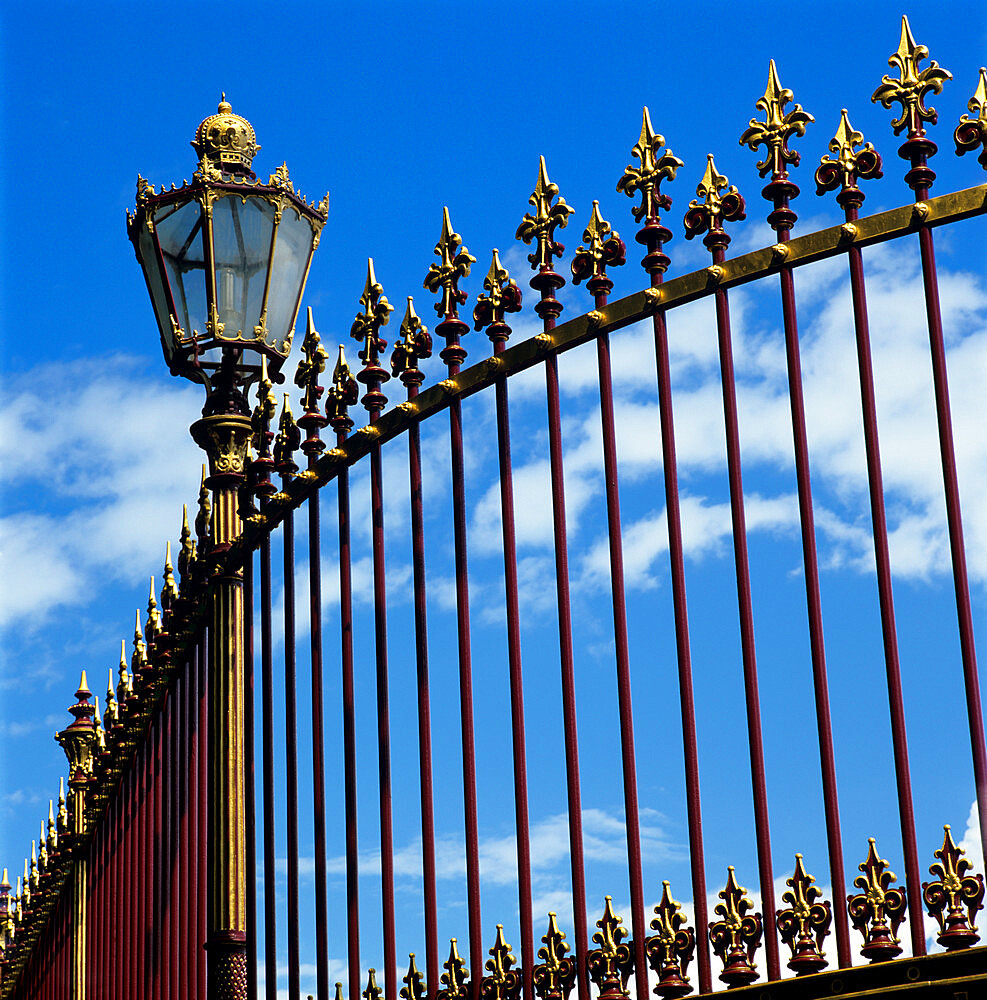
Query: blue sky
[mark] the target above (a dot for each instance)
(396, 112)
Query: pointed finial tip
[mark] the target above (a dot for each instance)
(83, 686)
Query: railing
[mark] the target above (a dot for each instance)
(117, 902)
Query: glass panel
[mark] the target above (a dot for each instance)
(291, 253)
(180, 235)
(242, 245)
(155, 283)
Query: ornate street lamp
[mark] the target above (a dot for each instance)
(225, 259)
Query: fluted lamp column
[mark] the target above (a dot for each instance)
(78, 740)
(225, 258)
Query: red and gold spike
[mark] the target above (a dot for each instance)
(646, 179)
(414, 982)
(776, 129)
(555, 974)
(366, 326)
(342, 394)
(954, 897)
(455, 980)
(611, 962)
(971, 133)
(878, 909)
(803, 926)
(719, 201)
(671, 949)
(502, 296)
(503, 982)
(602, 248)
(413, 345)
(912, 85)
(849, 166)
(736, 936)
(454, 263)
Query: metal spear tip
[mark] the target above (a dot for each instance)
(83, 691)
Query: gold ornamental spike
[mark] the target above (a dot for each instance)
(774, 132)
(376, 313)
(454, 978)
(98, 724)
(720, 202)
(35, 874)
(124, 684)
(203, 517)
(153, 626)
(954, 891)
(339, 992)
(52, 831)
(63, 813)
(342, 393)
(414, 981)
(43, 850)
(267, 404)
(373, 991)
(555, 974)
(540, 227)
(111, 703)
(413, 345)
(169, 589)
(910, 88)
(647, 178)
(311, 366)
(455, 262)
(186, 552)
(849, 165)
(286, 441)
(138, 658)
(971, 133)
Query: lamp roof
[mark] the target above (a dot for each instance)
(225, 140)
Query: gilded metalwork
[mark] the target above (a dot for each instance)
(603, 248)
(503, 982)
(502, 296)
(646, 180)
(169, 588)
(225, 139)
(414, 982)
(376, 313)
(955, 896)
(310, 367)
(287, 441)
(152, 627)
(736, 936)
(555, 974)
(971, 133)
(455, 980)
(878, 909)
(612, 961)
(125, 682)
(454, 264)
(713, 209)
(186, 548)
(342, 394)
(672, 948)
(849, 165)
(540, 227)
(803, 926)
(203, 516)
(413, 345)
(373, 991)
(777, 128)
(910, 88)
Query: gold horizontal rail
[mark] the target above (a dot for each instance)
(823, 243)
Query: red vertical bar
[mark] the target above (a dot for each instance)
(954, 520)
(250, 803)
(267, 736)
(128, 889)
(166, 943)
(755, 740)
(158, 927)
(673, 517)
(632, 818)
(182, 884)
(383, 723)
(817, 647)
(349, 732)
(174, 813)
(516, 682)
(291, 752)
(142, 764)
(202, 811)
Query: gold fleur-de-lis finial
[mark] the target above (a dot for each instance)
(671, 949)
(376, 313)
(713, 208)
(267, 406)
(169, 589)
(805, 923)
(454, 263)
(373, 991)
(454, 978)
(849, 165)
(541, 226)
(955, 896)
(611, 962)
(502, 296)
(603, 248)
(286, 441)
(413, 345)
(52, 830)
(502, 983)
(555, 974)
(647, 178)
(736, 936)
(971, 132)
(912, 86)
(878, 909)
(138, 658)
(203, 516)
(774, 132)
(110, 715)
(342, 394)
(153, 626)
(311, 366)
(414, 982)
(125, 684)
(186, 551)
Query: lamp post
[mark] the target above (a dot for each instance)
(225, 258)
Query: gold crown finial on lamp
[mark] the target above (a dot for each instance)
(225, 141)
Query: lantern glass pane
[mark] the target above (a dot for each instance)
(180, 236)
(241, 230)
(291, 254)
(156, 285)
